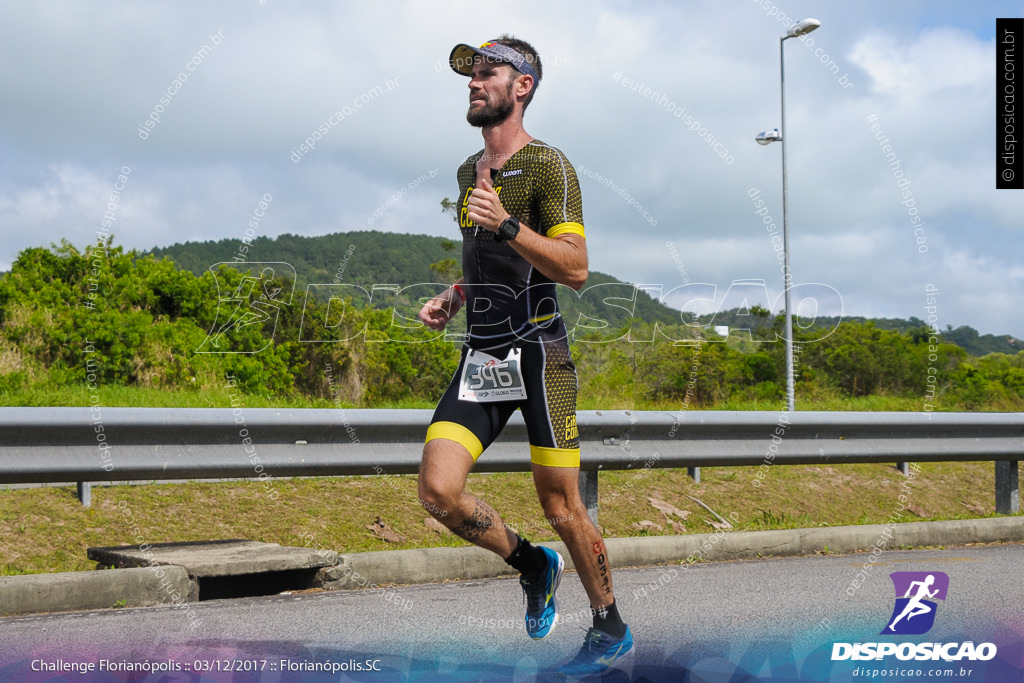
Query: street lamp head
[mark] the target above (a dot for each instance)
(802, 27)
(768, 136)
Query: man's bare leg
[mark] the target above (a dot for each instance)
(558, 489)
(443, 472)
(442, 483)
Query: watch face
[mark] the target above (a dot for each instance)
(509, 228)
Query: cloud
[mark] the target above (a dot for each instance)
(938, 59)
(85, 81)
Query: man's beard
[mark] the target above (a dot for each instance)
(492, 113)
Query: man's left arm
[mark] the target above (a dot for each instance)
(562, 258)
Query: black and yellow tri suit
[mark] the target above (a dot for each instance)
(509, 304)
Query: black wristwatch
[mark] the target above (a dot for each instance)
(508, 230)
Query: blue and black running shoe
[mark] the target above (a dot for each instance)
(539, 590)
(602, 654)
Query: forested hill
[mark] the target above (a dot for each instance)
(366, 258)
(965, 337)
(108, 317)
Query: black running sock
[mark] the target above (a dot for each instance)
(607, 619)
(526, 558)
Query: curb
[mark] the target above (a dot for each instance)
(77, 591)
(89, 590)
(742, 545)
(430, 565)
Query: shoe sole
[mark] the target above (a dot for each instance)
(624, 663)
(554, 599)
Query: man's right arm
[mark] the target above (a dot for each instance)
(437, 312)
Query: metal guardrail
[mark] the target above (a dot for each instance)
(39, 445)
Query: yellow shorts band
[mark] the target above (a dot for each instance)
(555, 457)
(457, 433)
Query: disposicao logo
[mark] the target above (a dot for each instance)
(914, 614)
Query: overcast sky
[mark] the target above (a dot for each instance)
(80, 79)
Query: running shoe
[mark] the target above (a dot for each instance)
(601, 654)
(539, 592)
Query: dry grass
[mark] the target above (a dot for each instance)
(47, 530)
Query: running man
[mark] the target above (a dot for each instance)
(259, 307)
(521, 218)
(915, 607)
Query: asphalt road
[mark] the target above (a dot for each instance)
(768, 620)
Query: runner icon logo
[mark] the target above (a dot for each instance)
(916, 592)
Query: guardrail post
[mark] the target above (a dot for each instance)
(694, 472)
(85, 493)
(903, 467)
(588, 492)
(1007, 488)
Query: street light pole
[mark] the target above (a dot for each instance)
(798, 29)
(787, 277)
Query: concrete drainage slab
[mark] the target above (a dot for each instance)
(226, 569)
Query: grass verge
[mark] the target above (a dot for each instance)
(47, 530)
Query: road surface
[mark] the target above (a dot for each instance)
(770, 620)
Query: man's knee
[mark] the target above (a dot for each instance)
(439, 487)
(561, 509)
(435, 496)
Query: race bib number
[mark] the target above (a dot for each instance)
(486, 379)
